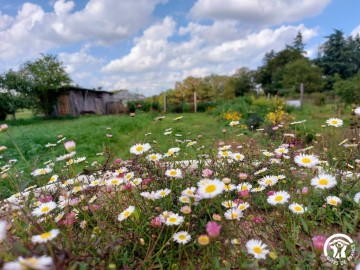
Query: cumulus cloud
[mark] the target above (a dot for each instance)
(263, 12)
(356, 31)
(33, 30)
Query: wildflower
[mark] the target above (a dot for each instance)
(2, 148)
(129, 176)
(127, 213)
(139, 149)
(36, 263)
(279, 197)
(181, 237)
(211, 188)
(235, 241)
(237, 156)
(67, 156)
(172, 151)
(333, 200)
(163, 192)
(258, 189)
(224, 154)
(154, 157)
(357, 111)
(323, 181)
(174, 219)
(234, 123)
(44, 209)
(175, 173)
(334, 122)
(69, 146)
(184, 199)
(357, 196)
(185, 209)
(307, 161)
(3, 226)
(244, 186)
(304, 190)
(281, 150)
(268, 181)
(42, 171)
(113, 182)
(155, 222)
(260, 171)
(297, 208)
(178, 118)
(45, 237)
(3, 127)
(257, 248)
(233, 214)
(207, 173)
(203, 240)
(136, 182)
(243, 206)
(319, 242)
(243, 176)
(189, 191)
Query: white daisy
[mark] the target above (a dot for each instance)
(114, 182)
(233, 214)
(224, 154)
(172, 151)
(211, 188)
(45, 237)
(279, 197)
(42, 171)
(127, 213)
(184, 199)
(357, 111)
(136, 181)
(174, 219)
(181, 237)
(229, 187)
(189, 191)
(257, 248)
(163, 192)
(357, 196)
(297, 208)
(229, 204)
(237, 156)
(234, 123)
(44, 209)
(3, 226)
(243, 206)
(334, 122)
(139, 149)
(268, 180)
(307, 161)
(175, 173)
(281, 150)
(154, 157)
(122, 170)
(36, 263)
(244, 186)
(258, 189)
(333, 200)
(323, 181)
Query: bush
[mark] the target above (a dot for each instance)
(253, 121)
(318, 99)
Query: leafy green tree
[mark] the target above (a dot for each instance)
(349, 89)
(298, 43)
(45, 76)
(303, 71)
(241, 82)
(13, 94)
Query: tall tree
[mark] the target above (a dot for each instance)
(298, 43)
(46, 76)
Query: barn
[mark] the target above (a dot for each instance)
(72, 100)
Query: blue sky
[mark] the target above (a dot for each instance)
(148, 45)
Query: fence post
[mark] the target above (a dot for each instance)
(195, 103)
(165, 103)
(301, 94)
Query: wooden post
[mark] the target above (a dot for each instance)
(301, 94)
(195, 103)
(165, 103)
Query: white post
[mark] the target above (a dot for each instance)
(301, 94)
(165, 103)
(195, 103)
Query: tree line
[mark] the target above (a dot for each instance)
(336, 69)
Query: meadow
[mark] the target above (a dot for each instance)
(114, 192)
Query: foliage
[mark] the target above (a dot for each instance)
(279, 116)
(45, 76)
(349, 89)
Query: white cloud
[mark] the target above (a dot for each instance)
(356, 31)
(263, 12)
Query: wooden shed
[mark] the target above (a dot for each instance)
(78, 101)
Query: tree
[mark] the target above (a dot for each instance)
(13, 94)
(303, 71)
(298, 43)
(241, 82)
(45, 76)
(349, 89)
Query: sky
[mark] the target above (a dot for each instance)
(147, 46)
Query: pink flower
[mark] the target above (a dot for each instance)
(319, 242)
(147, 181)
(257, 220)
(243, 176)
(69, 220)
(207, 173)
(305, 190)
(94, 207)
(45, 198)
(118, 161)
(270, 193)
(213, 229)
(155, 222)
(69, 146)
(74, 201)
(244, 194)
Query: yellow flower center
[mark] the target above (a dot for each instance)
(244, 188)
(268, 182)
(45, 209)
(153, 157)
(257, 250)
(114, 182)
(234, 215)
(333, 202)
(334, 122)
(298, 208)
(242, 207)
(172, 219)
(162, 193)
(225, 153)
(139, 148)
(306, 160)
(30, 261)
(45, 235)
(323, 182)
(278, 198)
(210, 188)
(281, 150)
(42, 171)
(173, 173)
(126, 213)
(182, 236)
